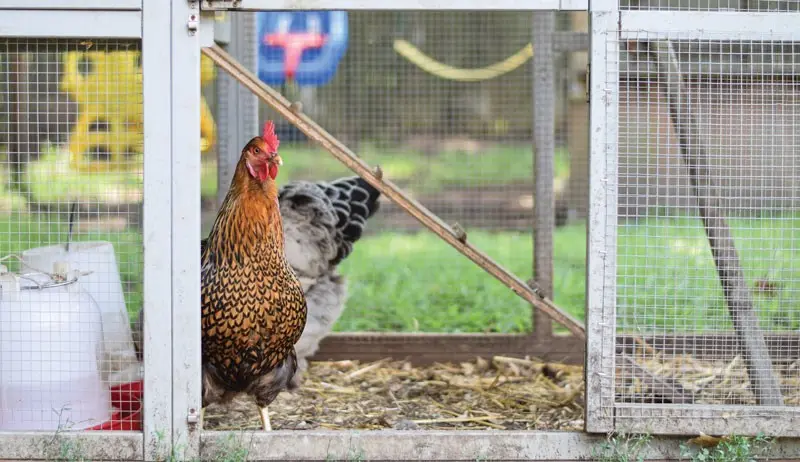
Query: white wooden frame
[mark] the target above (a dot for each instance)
(601, 225)
(106, 5)
(157, 328)
(38, 23)
(609, 26)
(441, 5)
(171, 59)
(714, 25)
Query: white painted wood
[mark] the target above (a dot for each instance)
(185, 219)
(70, 24)
(157, 231)
(420, 445)
(601, 246)
(708, 25)
(271, 5)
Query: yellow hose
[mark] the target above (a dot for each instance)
(443, 71)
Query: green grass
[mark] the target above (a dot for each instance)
(666, 266)
(52, 180)
(416, 283)
(667, 279)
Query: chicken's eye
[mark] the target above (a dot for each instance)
(258, 151)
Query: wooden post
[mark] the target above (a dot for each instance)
(737, 295)
(578, 124)
(543, 64)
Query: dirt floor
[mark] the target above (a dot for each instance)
(506, 393)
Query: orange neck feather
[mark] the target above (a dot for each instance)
(249, 215)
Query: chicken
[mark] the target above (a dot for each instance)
(253, 306)
(322, 221)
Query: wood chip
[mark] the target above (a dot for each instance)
(484, 394)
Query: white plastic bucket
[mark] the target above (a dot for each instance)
(119, 363)
(50, 342)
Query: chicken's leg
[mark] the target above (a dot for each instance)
(264, 411)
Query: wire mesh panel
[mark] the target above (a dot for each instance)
(416, 93)
(712, 5)
(70, 234)
(443, 103)
(704, 233)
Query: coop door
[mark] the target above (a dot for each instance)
(693, 277)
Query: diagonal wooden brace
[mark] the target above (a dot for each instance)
(316, 133)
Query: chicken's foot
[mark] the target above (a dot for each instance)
(264, 411)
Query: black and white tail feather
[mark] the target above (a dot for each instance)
(321, 222)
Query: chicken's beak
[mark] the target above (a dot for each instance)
(276, 159)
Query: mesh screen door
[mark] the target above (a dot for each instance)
(694, 233)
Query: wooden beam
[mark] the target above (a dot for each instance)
(429, 347)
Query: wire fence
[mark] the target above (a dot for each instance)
(450, 135)
(70, 230)
(707, 185)
(71, 130)
(711, 5)
(706, 232)
(443, 103)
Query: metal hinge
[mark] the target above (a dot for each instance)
(220, 4)
(193, 417)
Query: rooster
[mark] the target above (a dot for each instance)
(253, 306)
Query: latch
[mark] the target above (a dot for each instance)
(193, 417)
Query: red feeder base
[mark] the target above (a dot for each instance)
(127, 399)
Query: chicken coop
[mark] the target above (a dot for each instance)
(556, 226)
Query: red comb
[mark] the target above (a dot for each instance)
(269, 136)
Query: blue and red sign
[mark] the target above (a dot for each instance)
(303, 46)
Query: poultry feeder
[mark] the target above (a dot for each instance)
(100, 279)
(50, 345)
